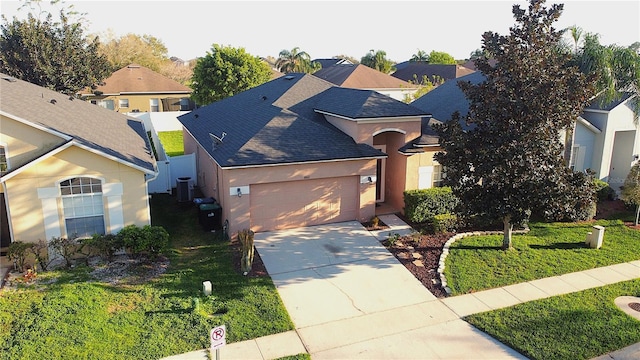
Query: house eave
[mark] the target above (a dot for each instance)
(301, 162)
(62, 135)
(375, 120)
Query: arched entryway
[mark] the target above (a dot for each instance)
(391, 172)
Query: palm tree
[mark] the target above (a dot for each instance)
(420, 56)
(295, 61)
(615, 69)
(378, 61)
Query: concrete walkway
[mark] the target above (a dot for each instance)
(349, 298)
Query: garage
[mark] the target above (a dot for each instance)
(292, 204)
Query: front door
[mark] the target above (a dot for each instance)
(380, 174)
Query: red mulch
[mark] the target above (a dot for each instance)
(429, 248)
(257, 267)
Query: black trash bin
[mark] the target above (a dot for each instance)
(210, 216)
(207, 200)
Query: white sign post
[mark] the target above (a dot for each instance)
(218, 337)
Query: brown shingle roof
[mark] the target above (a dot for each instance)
(360, 77)
(139, 79)
(102, 130)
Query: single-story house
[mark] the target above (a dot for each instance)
(606, 137)
(299, 151)
(135, 88)
(365, 78)
(68, 167)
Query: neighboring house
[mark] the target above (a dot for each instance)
(325, 63)
(68, 167)
(435, 73)
(299, 151)
(365, 78)
(136, 88)
(606, 138)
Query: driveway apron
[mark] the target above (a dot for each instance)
(349, 297)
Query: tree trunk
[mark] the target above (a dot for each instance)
(637, 213)
(568, 144)
(508, 228)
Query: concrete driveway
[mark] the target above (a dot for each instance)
(350, 298)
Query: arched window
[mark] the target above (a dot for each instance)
(82, 206)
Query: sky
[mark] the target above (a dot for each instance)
(325, 29)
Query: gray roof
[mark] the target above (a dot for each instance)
(599, 103)
(360, 104)
(415, 71)
(104, 130)
(274, 123)
(448, 98)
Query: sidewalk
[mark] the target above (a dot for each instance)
(441, 328)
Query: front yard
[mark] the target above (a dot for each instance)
(71, 314)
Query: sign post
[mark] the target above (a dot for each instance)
(218, 337)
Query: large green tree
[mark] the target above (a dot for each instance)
(296, 61)
(631, 189)
(226, 71)
(378, 60)
(51, 53)
(145, 50)
(508, 162)
(439, 57)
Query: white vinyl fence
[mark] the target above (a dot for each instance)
(170, 168)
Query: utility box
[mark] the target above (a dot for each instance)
(210, 216)
(595, 237)
(183, 189)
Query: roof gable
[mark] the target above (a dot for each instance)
(138, 79)
(362, 104)
(107, 132)
(274, 123)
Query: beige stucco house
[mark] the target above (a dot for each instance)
(68, 167)
(135, 88)
(299, 151)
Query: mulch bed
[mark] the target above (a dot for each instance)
(426, 248)
(257, 267)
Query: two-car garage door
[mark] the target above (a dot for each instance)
(303, 203)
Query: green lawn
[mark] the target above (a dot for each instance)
(575, 326)
(172, 142)
(75, 317)
(477, 263)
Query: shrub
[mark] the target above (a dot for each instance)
(66, 247)
(152, 240)
(40, 251)
(444, 223)
(105, 245)
(604, 190)
(421, 206)
(18, 252)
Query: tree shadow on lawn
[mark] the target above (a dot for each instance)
(560, 246)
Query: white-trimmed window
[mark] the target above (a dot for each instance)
(123, 103)
(438, 175)
(107, 104)
(184, 104)
(154, 105)
(83, 206)
(4, 165)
